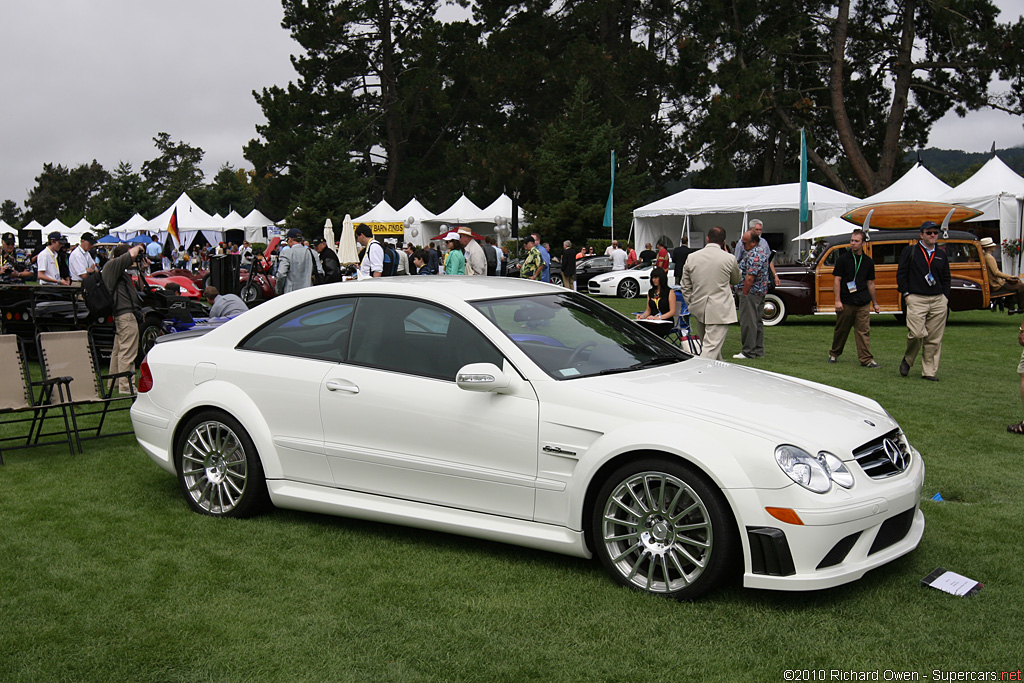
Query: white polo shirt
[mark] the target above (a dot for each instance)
(46, 263)
(79, 262)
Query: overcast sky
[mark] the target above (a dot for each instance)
(98, 79)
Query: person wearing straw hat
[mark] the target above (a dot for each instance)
(998, 281)
(476, 260)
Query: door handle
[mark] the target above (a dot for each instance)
(341, 385)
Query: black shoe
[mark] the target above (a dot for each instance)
(904, 367)
(930, 378)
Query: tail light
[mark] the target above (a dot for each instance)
(146, 378)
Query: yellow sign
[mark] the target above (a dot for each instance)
(387, 228)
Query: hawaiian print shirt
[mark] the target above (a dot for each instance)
(755, 262)
(532, 264)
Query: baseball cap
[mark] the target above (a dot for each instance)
(53, 236)
(8, 238)
(87, 237)
(294, 234)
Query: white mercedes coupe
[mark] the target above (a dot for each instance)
(525, 413)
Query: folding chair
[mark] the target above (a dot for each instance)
(72, 355)
(682, 334)
(16, 399)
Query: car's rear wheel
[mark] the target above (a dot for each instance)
(219, 471)
(150, 328)
(774, 312)
(556, 279)
(250, 293)
(629, 288)
(660, 527)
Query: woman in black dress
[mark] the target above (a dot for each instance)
(661, 303)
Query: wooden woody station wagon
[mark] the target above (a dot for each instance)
(808, 289)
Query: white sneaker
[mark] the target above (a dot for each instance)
(741, 356)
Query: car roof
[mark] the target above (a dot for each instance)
(456, 287)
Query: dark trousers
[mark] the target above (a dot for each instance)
(752, 324)
(857, 318)
(1016, 287)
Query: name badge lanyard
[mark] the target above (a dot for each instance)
(928, 259)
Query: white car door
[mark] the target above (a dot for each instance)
(281, 367)
(396, 424)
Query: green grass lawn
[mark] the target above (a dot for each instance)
(107, 575)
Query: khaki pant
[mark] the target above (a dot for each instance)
(712, 338)
(569, 281)
(926, 323)
(126, 348)
(859, 319)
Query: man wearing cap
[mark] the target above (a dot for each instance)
(533, 265)
(328, 260)
(13, 265)
(476, 259)
(295, 265)
(998, 281)
(47, 267)
(81, 262)
(923, 279)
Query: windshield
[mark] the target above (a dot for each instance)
(571, 336)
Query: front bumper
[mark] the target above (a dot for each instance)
(839, 541)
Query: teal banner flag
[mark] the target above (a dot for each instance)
(611, 191)
(803, 177)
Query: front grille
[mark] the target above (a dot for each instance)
(839, 551)
(885, 456)
(893, 530)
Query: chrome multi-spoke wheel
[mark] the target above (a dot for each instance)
(217, 467)
(629, 288)
(661, 529)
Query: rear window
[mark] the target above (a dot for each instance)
(887, 253)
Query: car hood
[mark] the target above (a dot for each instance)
(780, 408)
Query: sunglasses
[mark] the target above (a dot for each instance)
(931, 232)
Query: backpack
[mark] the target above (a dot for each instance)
(390, 260)
(97, 297)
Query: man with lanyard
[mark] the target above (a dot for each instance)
(854, 287)
(754, 268)
(924, 280)
(372, 264)
(47, 267)
(81, 262)
(13, 266)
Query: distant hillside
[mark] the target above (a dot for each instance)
(954, 166)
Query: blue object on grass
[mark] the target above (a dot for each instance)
(937, 496)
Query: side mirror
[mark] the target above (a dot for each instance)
(486, 377)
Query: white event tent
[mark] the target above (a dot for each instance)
(255, 225)
(414, 228)
(191, 221)
(130, 228)
(696, 210)
(458, 213)
(998, 193)
(833, 226)
(917, 184)
(55, 226)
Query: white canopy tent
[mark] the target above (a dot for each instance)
(777, 206)
(255, 225)
(418, 213)
(382, 213)
(35, 225)
(230, 220)
(55, 226)
(192, 220)
(6, 228)
(917, 184)
(130, 228)
(75, 232)
(833, 226)
(998, 193)
(459, 213)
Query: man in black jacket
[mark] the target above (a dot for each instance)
(126, 304)
(328, 260)
(679, 255)
(923, 279)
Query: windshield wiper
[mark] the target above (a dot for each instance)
(649, 363)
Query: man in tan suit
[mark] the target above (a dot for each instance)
(998, 281)
(708, 278)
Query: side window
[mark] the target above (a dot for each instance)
(961, 252)
(830, 257)
(317, 330)
(887, 253)
(416, 337)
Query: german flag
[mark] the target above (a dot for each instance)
(172, 227)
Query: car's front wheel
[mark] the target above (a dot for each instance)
(556, 279)
(250, 293)
(659, 526)
(629, 288)
(219, 471)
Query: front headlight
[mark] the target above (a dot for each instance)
(814, 473)
(607, 279)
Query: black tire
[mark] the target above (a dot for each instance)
(219, 470)
(250, 293)
(774, 312)
(645, 550)
(149, 329)
(628, 289)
